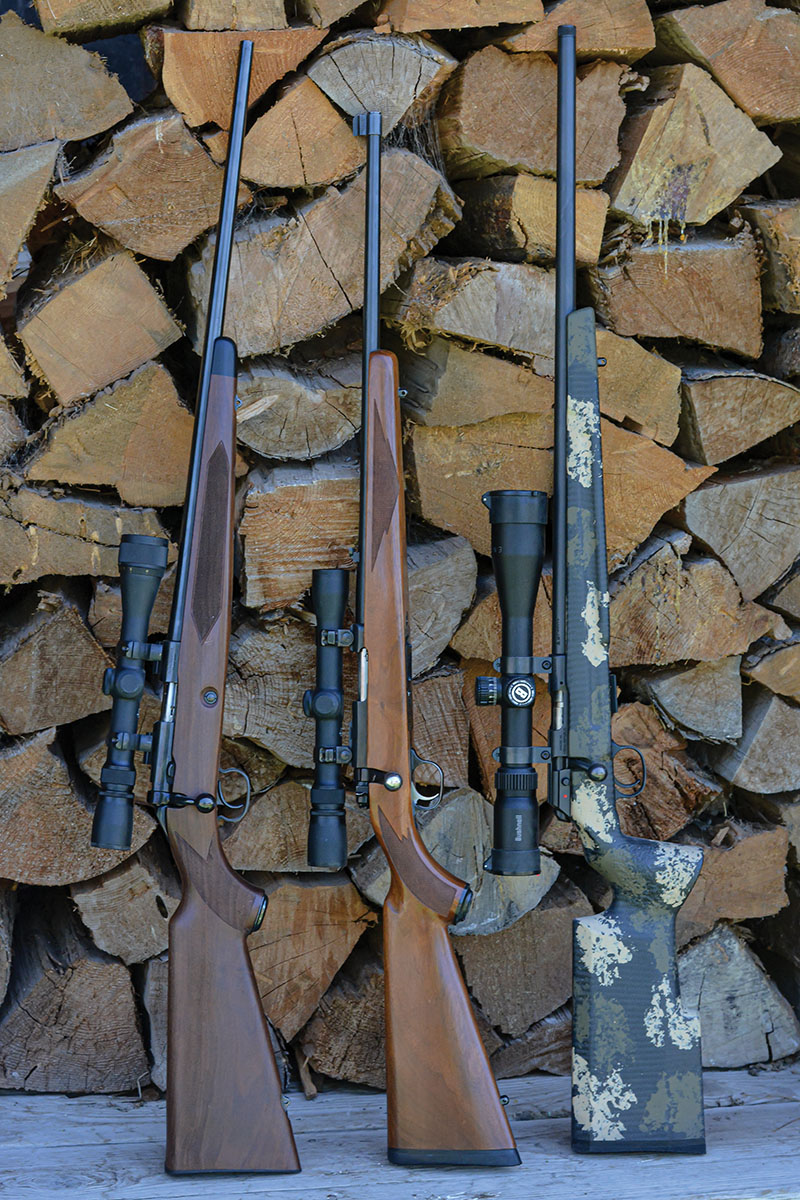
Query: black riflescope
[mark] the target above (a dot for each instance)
(142, 562)
(519, 519)
(327, 832)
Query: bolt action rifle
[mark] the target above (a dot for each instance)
(224, 1103)
(442, 1100)
(637, 1083)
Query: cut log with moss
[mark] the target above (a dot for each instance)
(69, 94)
(46, 822)
(312, 924)
(727, 409)
(24, 177)
(296, 519)
(41, 534)
(302, 141)
(135, 436)
(198, 69)
(84, 19)
(298, 410)
(765, 760)
(415, 16)
(87, 329)
(513, 217)
(398, 76)
(620, 29)
(70, 1022)
(778, 223)
(154, 189)
(705, 290)
(687, 151)
(700, 702)
(292, 277)
(481, 133)
(127, 911)
(751, 47)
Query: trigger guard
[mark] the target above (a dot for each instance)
(419, 798)
(630, 790)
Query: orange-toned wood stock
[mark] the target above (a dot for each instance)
(441, 1093)
(224, 1106)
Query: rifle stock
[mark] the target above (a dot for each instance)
(443, 1103)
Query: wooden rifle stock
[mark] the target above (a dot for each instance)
(443, 1103)
(224, 1106)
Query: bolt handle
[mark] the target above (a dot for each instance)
(142, 563)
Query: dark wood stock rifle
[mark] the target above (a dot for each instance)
(225, 1111)
(637, 1082)
(442, 1099)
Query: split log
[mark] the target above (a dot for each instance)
(83, 18)
(480, 635)
(324, 12)
(128, 910)
(687, 151)
(273, 836)
(441, 584)
(45, 535)
(639, 390)
(524, 973)
(12, 380)
(766, 758)
(46, 823)
(302, 141)
(345, 1037)
(785, 596)
(666, 609)
(154, 1000)
(154, 188)
(198, 69)
(105, 610)
(458, 835)
(481, 133)
(776, 668)
(8, 909)
(706, 290)
(507, 305)
(728, 409)
(135, 437)
(95, 326)
(296, 519)
(779, 810)
(414, 16)
(702, 702)
(70, 1021)
(546, 1046)
(779, 932)
(24, 178)
(298, 410)
(51, 668)
(742, 878)
(13, 434)
(291, 277)
(513, 217)
(311, 926)
(782, 352)
(68, 93)
(232, 14)
(453, 468)
(743, 1016)
(398, 76)
(620, 29)
(778, 222)
(750, 47)
(752, 521)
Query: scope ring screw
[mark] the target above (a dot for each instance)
(210, 697)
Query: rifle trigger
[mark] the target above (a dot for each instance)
(630, 790)
(244, 806)
(421, 800)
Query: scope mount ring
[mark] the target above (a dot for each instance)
(630, 790)
(244, 806)
(421, 799)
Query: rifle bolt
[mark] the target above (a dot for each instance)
(393, 782)
(210, 697)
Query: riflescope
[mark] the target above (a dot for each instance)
(327, 833)
(518, 520)
(142, 562)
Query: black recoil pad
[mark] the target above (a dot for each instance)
(327, 832)
(519, 520)
(142, 562)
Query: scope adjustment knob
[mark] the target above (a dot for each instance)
(108, 680)
(488, 690)
(308, 703)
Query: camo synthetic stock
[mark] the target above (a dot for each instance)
(224, 1105)
(637, 1083)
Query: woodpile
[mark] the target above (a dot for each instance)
(688, 226)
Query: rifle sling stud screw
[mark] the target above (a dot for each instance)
(210, 697)
(393, 781)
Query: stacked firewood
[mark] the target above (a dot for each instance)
(688, 236)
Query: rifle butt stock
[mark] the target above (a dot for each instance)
(225, 1110)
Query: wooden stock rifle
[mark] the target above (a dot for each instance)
(224, 1106)
(637, 1082)
(442, 1100)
